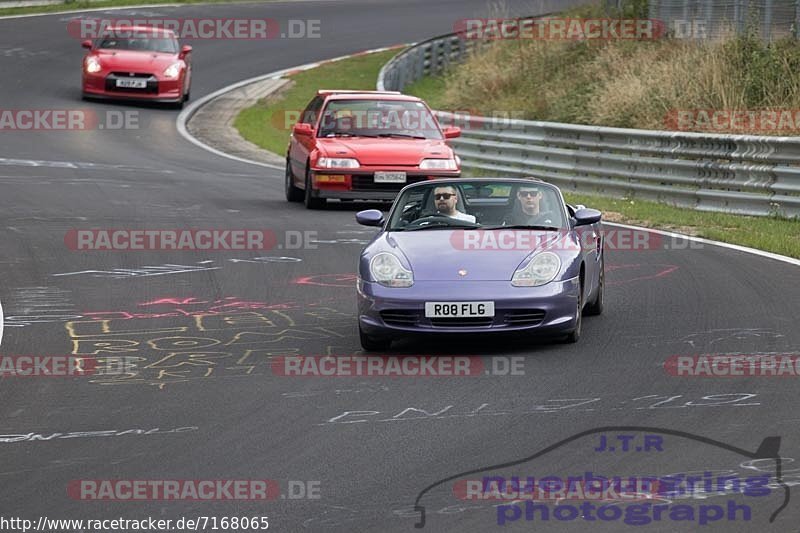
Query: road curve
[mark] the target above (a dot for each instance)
(203, 402)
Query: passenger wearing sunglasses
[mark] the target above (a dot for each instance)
(527, 211)
(446, 198)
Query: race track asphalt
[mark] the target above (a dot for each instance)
(203, 396)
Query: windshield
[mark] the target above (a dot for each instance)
(497, 204)
(378, 118)
(145, 44)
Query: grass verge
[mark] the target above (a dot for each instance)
(258, 124)
(777, 235)
(660, 84)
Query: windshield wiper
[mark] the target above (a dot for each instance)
(525, 226)
(347, 134)
(402, 135)
(442, 225)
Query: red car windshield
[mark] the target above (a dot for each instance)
(163, 45)
(378, 118)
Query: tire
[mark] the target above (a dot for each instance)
(373, 344)
(596, 307)
(293, 193)
(179, 103)
(310, 201)
(575, 334)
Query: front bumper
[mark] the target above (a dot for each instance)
(360, 184)
(392, 312)
(157, 90)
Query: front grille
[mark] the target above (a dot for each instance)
(465, 322)
(127, 74)
(152, 82)
(367, 183)
(524, 317)
(400, 317)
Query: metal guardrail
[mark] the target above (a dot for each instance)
(743, 174)
(770, 19)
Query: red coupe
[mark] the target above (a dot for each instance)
(365, 145)
(137, 62)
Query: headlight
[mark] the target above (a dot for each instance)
(541, 270)
(173, 71)
(438, 164)
(92, 65)
(387, 270)
(340, 162)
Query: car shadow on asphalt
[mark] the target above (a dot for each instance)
(479, 344)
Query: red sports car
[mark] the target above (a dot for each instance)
(365, 145)
(137, 62)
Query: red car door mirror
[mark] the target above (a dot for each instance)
(302, 129)
(185, 50)
(87, 44)
(451, 132)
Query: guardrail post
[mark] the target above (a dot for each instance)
(768, 21)
(796, 25)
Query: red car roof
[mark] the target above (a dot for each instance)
(367, 95)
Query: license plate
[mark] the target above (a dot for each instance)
(458, 309)
(390, 177)
(132, 84)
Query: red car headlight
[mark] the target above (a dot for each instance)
(173, 71)
(92, 65)
(337, 162)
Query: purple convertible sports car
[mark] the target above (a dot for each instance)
(479, 255)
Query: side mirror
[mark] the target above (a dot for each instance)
(370, 217)
(584, 217)
(302, 129)
(451, 132)
(87, 44)
(185, 50)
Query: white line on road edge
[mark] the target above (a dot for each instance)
(187, 113)
(745, 249)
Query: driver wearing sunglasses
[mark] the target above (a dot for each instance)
(527, 211)
(446, 198)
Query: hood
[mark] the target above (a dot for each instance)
(385, 152)
(438, 255)
(133, 61)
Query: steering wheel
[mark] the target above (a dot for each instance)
(429, 219)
